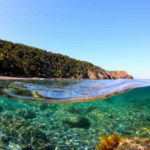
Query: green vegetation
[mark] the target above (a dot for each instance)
(25, 61)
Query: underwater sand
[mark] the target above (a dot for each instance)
(26, 125)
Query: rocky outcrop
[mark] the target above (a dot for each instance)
(72, 115)
(92, 75)
(109, 75)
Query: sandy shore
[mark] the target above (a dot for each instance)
(18, 78)
(34, 78)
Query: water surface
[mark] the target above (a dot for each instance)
(58, 91)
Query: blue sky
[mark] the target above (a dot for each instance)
(113, 34)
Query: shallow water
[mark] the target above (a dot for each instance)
(41, 126)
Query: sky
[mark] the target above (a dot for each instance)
(113, 34)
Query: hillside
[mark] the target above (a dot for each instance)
(25, 61)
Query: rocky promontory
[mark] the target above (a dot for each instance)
(109, 75)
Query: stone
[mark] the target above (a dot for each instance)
(75, 120)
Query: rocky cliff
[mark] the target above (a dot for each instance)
(109, 75)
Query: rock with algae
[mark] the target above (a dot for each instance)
(73, 117)
(74, 120)
(134, 144)
(115, 142)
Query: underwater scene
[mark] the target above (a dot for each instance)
(75, 115)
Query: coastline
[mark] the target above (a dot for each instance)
(35, 78)
(17, 78)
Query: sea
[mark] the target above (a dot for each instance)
(71, 114)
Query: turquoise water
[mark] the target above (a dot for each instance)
(26, 125)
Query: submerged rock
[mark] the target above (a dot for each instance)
(134, 144)
(72, 115)
(75, 120)
(115, 142)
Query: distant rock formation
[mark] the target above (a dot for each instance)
(109, 75)
(114, 75)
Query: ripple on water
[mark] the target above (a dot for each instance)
(58, 91)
